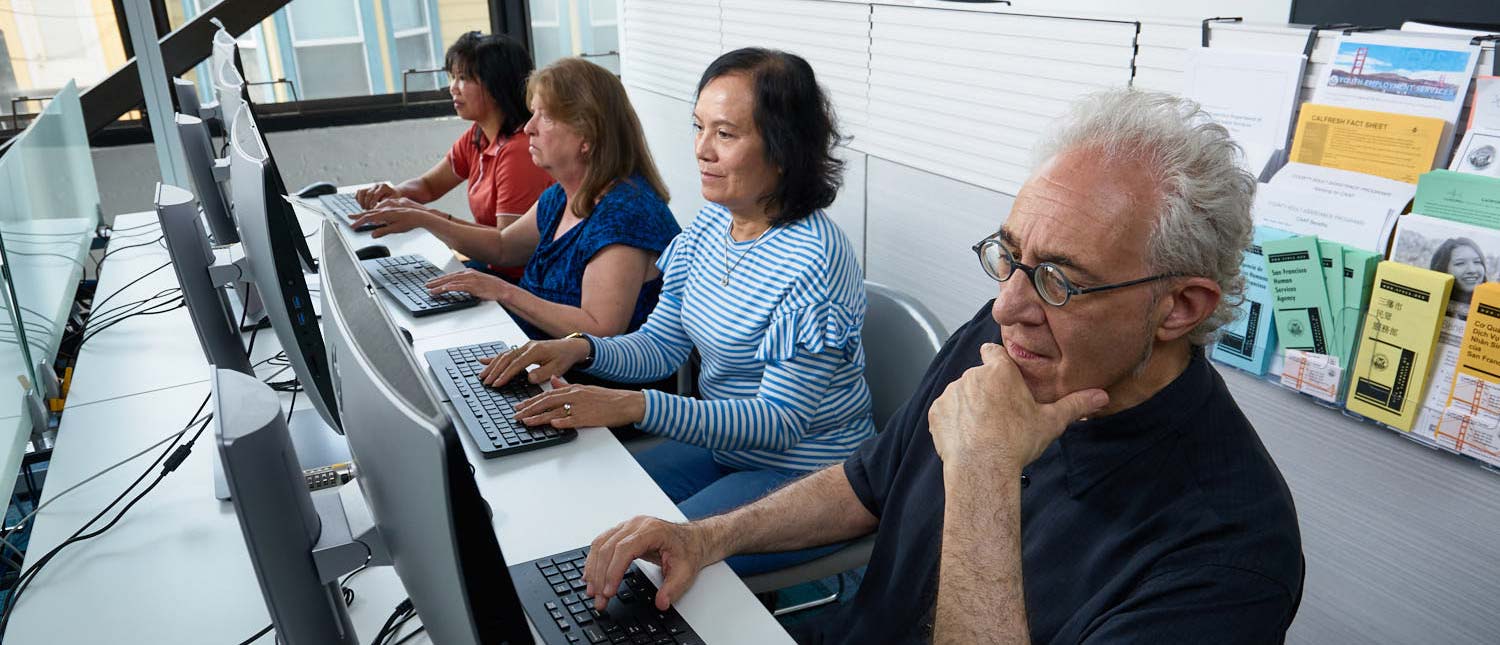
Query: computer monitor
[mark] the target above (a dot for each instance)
(269, 235)
(234, 95)
(192, 259)
(412, 470)
(198, 152)
(280, 521)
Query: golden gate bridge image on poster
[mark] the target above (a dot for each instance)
(1406, 71)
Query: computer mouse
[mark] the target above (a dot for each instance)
(373, 251)
(318, 189)
(363, 228)
(406, 333)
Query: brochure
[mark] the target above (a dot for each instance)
(1390, 145)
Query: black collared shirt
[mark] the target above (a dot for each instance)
(1165, 523)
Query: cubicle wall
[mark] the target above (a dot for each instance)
(1397, 536)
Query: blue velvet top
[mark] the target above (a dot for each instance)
(630, 213)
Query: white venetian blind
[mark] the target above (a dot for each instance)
(668, 43)
(834, 37)
(965, 94)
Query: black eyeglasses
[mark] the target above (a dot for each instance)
(1051, 284)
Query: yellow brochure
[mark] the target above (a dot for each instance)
(1395, 146)
(1471, 416)
(1396, 345)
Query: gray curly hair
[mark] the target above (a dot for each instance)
(1205, 196)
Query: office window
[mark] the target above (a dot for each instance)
(46, 43)
(587, 28)
(414, 44)
(329, 43)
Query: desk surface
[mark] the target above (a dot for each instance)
(176, 571)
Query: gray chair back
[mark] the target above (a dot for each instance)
(900, 338)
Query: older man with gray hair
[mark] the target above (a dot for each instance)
(1072, 470)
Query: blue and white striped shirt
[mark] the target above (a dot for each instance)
(783, 368)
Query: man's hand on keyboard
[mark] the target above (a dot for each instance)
(369, 196)
(397, 215)
(681, 550)
(479, 284)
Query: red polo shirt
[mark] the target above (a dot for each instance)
(502, 179)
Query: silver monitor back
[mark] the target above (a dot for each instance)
(207, 303)
(224, 77)
(187, 97)
(276, 513)
(197, 149)
(270, 249)
(412, 469)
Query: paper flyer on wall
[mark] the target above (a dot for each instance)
(1248, 340)
(1420, 75)
(1460, 197)
(1477, 154)
(1353, 209)
(1386, 144)
(1253, 94)
(1470, 419)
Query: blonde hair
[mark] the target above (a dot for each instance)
(591, 101)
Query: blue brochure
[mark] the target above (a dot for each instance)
(1249, 341)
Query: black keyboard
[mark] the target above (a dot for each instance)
(552, 591)
(405, 278)
(488, 413)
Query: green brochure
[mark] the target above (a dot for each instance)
(1332, 258)
(1298, 297)
(1460, 197)
(1359, 275)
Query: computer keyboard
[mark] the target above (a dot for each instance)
(552, 592)
(341, 204)
(405, 277)
(488, 413)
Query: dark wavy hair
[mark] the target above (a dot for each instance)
(796, 121)
(501, 64)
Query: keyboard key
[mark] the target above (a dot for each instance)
(594, 635)
(550, 571)
(561, 589)
(563, 625)
(583, 618)
(551, 606)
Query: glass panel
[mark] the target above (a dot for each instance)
(332, 70)
(415, 52)
(44, 46)
(324, 19)
(49, 207)
(407, 14)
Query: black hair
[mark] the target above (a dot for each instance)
(796, 121)
(501, 64)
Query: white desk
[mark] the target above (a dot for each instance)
(176, 571)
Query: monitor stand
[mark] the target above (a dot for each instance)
(316, 443)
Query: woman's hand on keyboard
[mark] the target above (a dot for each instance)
(398, 215)
(552, 358)
(681, 550)
(582, 406)
(369, 196)
(479, 284)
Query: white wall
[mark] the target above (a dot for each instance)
(343, 155)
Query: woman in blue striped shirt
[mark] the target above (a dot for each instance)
(763, 285)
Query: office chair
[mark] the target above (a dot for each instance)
(900, 338)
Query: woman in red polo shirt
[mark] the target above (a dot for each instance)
(489, 88)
